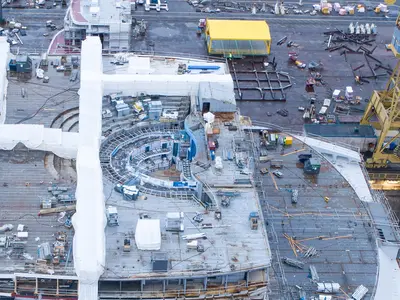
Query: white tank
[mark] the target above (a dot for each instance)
(358, 29)
(351, 28)
(218, 163)
(362, 29)
(368, 28)
(328, 287)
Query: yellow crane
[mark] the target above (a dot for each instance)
(383, 112)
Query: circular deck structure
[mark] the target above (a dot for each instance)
(134, 154)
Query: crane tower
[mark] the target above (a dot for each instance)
(383, 112)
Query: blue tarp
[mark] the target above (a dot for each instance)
(203, 67)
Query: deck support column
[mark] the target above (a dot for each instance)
(142, 284)
(205, 283)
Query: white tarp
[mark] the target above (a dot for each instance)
(148, 234)
(171, 85)
(4, 58)
(209, 117)
(90, 218)
(323, 110)
(36, 137)
(327, 102)
(389, 274)
(91, 93)
(139, 65)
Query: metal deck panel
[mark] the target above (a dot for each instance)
(340, 130)
(349, 261)
(231, 245)
(42, 101)
(20, 204)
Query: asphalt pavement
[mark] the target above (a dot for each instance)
(181, 11)
(179, 38)
(38, 36)
(180, 14)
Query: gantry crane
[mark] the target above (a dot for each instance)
(383, 112)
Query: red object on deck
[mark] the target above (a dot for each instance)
(211, 145)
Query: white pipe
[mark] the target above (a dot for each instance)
(19, 39)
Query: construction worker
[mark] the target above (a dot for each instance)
(230, 56)
(326, 199)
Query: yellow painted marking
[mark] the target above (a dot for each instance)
(293, 152)
(273, 179)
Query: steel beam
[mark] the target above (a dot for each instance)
(385, 107)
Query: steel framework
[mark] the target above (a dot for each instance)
(383, 113)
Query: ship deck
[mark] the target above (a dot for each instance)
(24, 179)
(346, 255)
(231, 245)
(340, 230)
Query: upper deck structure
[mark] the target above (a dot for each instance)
(109, 20)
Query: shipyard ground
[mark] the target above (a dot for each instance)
(181, 38)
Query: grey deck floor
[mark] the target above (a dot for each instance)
(27, 180)
(347, 261)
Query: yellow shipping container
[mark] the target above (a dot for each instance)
(238, 37)
(288, 141)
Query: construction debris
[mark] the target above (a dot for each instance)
(112, 216)
(338, 36)
(361, 36)
(56, 210)
(139, 28)
(298, 247)
(359, 293)
(57, 188)
(13, 33)
(313, 273)
(310, 252)
(6, 227)
(328, 287)
(56, 252)
(293, 263)
(283, 112)
(281, 41)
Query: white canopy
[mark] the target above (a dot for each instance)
(209, 117)
(148, 234)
